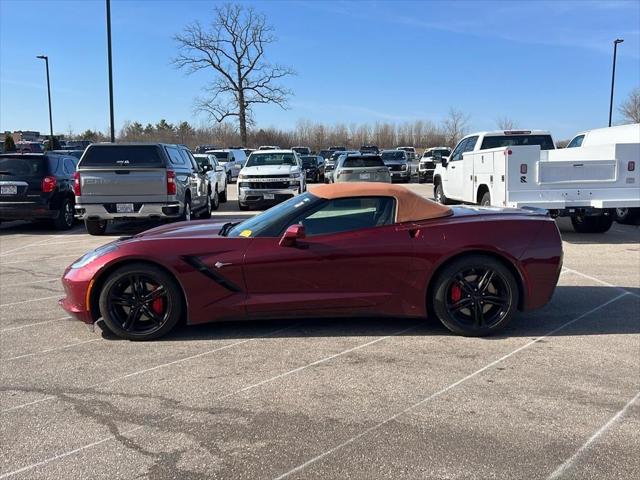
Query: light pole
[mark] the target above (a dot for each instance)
(46, 61)
(613, 75)
(113, 131)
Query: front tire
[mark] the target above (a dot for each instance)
(140, 302)
(627, 216)
(475, 296)
(439, 195)
(223, 195)
(243, 207)
(96, 227)
(208, 207)
(591, 224)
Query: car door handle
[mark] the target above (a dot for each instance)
(453, 166)
(221, 264)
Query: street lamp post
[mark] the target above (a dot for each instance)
(113, 131)
(613, 75)
(46, 61)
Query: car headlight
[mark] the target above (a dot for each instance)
(241, 177)
(404, 167)
(294, 176)
(244, 184)
(89, 257)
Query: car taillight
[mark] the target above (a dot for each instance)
(171, 183)
(523, 168)
(631, 166)
(77, 190)
(49, 184)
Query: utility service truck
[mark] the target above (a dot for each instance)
(522, 168)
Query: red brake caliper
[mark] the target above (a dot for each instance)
(158, 305)
(456, 293)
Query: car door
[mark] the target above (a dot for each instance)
(199, 181)
(354, 260)
(453, 185)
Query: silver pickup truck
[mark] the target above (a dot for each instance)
(139, 181)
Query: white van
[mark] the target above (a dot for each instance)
(232, 159)
(607, 136)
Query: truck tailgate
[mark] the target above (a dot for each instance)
(135, 184)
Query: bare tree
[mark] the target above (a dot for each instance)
(630, 108)
(506, 123)
(234, 47)
(455, 126)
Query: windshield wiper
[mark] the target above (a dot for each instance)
(226, 227)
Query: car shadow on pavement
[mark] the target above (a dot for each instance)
(37, 228)
(569, 303)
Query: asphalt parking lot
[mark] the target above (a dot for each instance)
(555, 396)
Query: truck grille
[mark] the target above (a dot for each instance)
(268, 185)
(395, 168)
(429, 165)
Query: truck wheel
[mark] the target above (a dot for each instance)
(214, 199)
(486, 200)
(420, 179)
(229, 179)
(65, 218)
(591, 224)
(243, 207)
(223, 195)
(186, 211)
(206, 212)
(96, 227)
(627, 216)
(440, 196)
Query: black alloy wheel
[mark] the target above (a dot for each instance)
(66, 218)
(475, 296)
(140, 302)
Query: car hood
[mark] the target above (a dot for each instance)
(284, 170)
(193, 229)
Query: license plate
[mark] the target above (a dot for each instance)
(8, 190)
(269, 196)
(124, 207)
(365, 176)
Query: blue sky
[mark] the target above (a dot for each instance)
(544, 64)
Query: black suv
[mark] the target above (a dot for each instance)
(37, 186)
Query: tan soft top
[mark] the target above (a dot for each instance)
(411, 207)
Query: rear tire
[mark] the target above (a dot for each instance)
(475, 296)
(223, 195)
(486, 200)
(627, 216)
(206, 213)
(186, 211)
(128, 305)
(65, 218)
(591, 224)
(96, 227)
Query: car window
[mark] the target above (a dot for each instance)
(495, 141)
(122, 156)
(174, 156)
(576, 142)
(362, 162)
(470, 144)
(22, 166)
(457, 152)
(349, 214)
(190, 160)
(395, 155)
(69, 166)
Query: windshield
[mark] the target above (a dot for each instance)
(437, 153)
(309, 161)
(22, 166)
(202, 160)
(260, 159)
(362, 162)
(223, 157)
(395, 155)
(262, 224)
(544, 141)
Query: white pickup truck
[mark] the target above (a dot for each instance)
(522, 168)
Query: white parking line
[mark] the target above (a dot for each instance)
(601, 282)
(558, 472)
(2, 264)
(48, 350)
(28, 283)
(244, 389)
(11, 329)
(441, 392)
(30, 300)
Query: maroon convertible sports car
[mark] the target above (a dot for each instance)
(358, 249)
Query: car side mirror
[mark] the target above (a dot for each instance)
(444, 161)
(206, 168)
(219, 168)
(292, 235)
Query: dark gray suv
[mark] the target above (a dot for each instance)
(139, 181)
